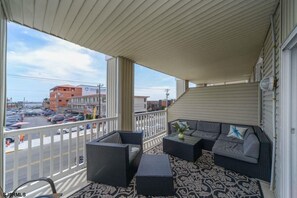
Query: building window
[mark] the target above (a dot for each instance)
(72, 95)
(60, 100)
(144, 99)
(145, 106)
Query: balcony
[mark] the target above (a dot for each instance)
(211, 44)
(59, 152)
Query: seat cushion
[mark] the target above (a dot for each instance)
(230, 139)
(213, 127)
(251, 146)
(205, 135)
(133, 151)
(113, 138)
(189, 132)
(232, 150)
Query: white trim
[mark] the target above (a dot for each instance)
(3, 46)
(286, 115)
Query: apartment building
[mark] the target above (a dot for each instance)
(87, 103)
(91, 90)
(60, 96)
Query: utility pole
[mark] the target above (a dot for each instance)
(167, 94)
(99, 92)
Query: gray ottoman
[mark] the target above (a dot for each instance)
(154, 176)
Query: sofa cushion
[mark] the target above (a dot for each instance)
(251, 146)
(133, 151)
(232, 150)
(230, 139)
(191, 123)
(226, 128)
(113, 138)
(205, 135)
(189, 132)
(213, 127)
(237, 132)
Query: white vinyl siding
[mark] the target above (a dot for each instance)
(267, 101)
(236, 103)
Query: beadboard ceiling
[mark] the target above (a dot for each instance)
(200, 41)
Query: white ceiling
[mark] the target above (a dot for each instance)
(200, 41)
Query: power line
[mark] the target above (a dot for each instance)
(46, 78)
(67, 80)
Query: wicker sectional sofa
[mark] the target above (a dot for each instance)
(250, 156)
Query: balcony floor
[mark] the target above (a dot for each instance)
(199, 179)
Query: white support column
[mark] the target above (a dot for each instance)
(3, 40)
(120, 91)
(181, 87)
(112, 84)
(125, 93)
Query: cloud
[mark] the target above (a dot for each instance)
(35, 54)
(57, 59)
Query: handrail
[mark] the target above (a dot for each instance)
(150, 112)
(56, 126)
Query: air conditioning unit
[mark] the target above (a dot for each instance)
(267, 83)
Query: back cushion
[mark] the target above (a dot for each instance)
(251, 146)
(114, 138)
(214, 127)
(191, 123)
(226, 128)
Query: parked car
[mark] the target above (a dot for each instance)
(48, 112)
(73, 129)
(80, 117)
(49, 118)
(57, 118)
(9, 140)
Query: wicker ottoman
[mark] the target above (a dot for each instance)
(154, 176)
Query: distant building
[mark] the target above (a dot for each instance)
(91, 90)
(156, 105)
(60, 96)
(86, 104)
(46, 103)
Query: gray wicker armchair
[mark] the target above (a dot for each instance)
(113, 159)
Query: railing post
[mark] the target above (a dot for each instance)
(166, 120)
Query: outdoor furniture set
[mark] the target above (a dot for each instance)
(115, 158)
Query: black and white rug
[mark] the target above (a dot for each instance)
(199, 179)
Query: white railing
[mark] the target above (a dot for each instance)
(154, 126)
(50, 151)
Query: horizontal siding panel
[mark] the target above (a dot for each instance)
(228, 103)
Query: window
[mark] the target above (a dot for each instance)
(145, 106)
(60, 100)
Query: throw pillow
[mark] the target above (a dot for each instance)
(236, 132)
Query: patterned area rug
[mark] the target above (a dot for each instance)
(199, 179)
